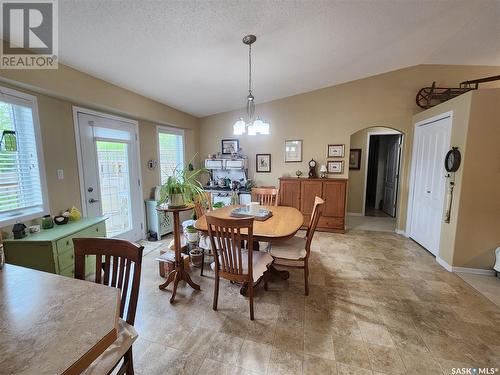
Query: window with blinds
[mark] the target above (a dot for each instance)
(171, 151)
(22, 185)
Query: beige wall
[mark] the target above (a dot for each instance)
(332, 114)
(57, 92)
(357, 177)
(472, 235)
(460, 106)
(478, 223)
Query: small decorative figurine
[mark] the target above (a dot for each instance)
(312, 169)
(323, 171)
(298, 173)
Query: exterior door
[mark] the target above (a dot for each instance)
(110, 173)
(391, 175)
(431, 142)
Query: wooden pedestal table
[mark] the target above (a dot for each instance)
(283, 225)
(179, 273)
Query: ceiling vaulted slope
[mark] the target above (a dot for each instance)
(189, 55)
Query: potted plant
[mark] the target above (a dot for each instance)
(196, 256)
(181, 187)
(191, 234)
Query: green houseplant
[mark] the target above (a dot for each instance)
(181, 187)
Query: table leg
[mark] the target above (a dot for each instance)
(176, 282)
(170, 278)
(187, 278)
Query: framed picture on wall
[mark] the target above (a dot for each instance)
(355, 158)
(230, 146)
(336, 151)
(263, 163)
(293, 151)
(335, 166)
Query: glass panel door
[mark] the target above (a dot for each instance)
(114, 183)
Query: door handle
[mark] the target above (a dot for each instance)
(428, 191)
(92, 200)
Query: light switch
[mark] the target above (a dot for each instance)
(60, 174)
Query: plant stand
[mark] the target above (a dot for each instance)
(179, 273)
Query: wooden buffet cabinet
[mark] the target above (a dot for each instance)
(300, 193)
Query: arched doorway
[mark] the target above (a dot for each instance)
(374, 177)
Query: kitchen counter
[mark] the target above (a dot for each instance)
(216, 188)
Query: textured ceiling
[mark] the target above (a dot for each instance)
(189, 55)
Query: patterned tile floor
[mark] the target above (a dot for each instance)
(379, 304)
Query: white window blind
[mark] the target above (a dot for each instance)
(21, 187)
(171, 151)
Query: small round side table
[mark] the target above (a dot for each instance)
(179, 273)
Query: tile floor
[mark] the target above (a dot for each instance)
(371, 223)
(379, 304)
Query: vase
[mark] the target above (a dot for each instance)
(176, 200)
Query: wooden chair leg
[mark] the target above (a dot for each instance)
(250, 296)
(306, 277)
(202, 261)
(216, 292)
(128, 357)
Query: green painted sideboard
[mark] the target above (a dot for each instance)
(51, 250)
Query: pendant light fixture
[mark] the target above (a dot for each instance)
(250, 125)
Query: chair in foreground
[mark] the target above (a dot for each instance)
(203, 205)
(266, 196)
(295, 251)
(118, 264)
(231, 261)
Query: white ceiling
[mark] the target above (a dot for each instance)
(189, 54)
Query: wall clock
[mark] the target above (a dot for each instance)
(452, 160)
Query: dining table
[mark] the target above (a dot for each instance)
(283, 224)
(52, 324)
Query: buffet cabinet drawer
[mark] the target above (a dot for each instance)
(52, 250)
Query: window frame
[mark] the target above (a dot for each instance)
(173, 131)
(16, 97)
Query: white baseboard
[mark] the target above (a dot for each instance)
(474, 271)
(401, 232)
(355, 214)
(444, 264)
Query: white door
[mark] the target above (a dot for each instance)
(430, 145)
(391, 175)
(110, 174)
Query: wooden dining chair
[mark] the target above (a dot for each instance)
(295, 252)
(266, 196)
(203, 205)
(118, 264)
(232, 262)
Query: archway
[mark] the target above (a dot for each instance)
(374, 178)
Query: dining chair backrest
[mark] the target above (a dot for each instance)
(226, 239)
(266, 196)
(202, 203)
(118, 264)
(313, 222)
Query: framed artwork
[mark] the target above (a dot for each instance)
(263, 163)
(335, 166)
(293, 151)
(336, 151)
(230, 146)
(355, 158)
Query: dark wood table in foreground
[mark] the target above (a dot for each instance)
(179, 273)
